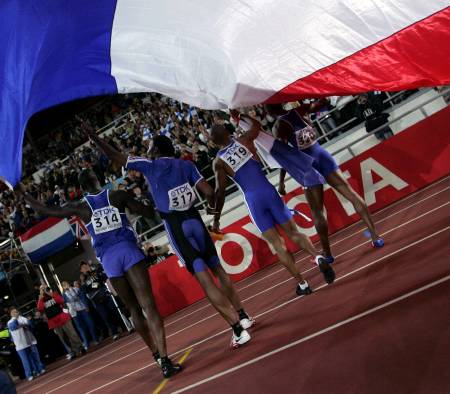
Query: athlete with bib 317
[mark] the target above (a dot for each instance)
(172, 182)
(116, 246)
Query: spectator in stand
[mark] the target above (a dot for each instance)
(94, 287)
(370, 109)
(51, 303)
(25, 344)
(80, 314)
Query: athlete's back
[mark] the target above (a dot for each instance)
(248, 172)
(171, 181)
(108, 226)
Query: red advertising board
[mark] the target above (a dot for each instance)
(383, 174)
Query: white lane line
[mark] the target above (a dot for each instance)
(264, 291)
(332, 244)
(263, 313)
(316, 334)
(83, 364)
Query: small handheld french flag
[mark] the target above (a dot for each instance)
(46, 238)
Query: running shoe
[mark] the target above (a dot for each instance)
(378, 243)
(115, 337)
(169, 369)
(325, 268)
(239, 341)
(30, 378)
(247, 323)
(303, 292)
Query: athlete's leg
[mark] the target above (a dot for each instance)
(336, 181)
(314, 197)
(304, 242)
(127, 295)
(227, 286)
(216, 297)
(274, 238)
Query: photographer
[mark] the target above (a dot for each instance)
(51, 303)
(93, 286)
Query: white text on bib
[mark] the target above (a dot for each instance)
(236, 156)
(106, 219)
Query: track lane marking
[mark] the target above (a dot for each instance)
(275, 308)
(253, 296)
(316, 334)
(180, 361)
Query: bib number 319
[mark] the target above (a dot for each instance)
(181, 197)
(236, 156)
(106, 219)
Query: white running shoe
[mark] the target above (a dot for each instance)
(30, 378)
(239, 341)
(247, 323)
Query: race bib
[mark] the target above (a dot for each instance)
(106, 219)
(305, 137)
(181, 197)
(236, 156)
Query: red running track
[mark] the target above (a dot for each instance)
(383, 326)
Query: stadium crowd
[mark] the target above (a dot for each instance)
(60, 159)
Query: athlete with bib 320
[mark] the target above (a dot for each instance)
(172, 182)
(116, 246)
(238, 160)
(293, 127)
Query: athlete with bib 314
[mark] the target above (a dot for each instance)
(172, 182)
(116, 246)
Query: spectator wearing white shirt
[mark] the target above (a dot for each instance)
(25, 344)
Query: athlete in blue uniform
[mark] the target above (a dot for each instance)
(116, 246)
(172, 182)
(238, 160)
(293, 127)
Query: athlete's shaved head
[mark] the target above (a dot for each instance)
(88, 181)
(220, 135)
(162, 147)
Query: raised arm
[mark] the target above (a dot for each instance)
(67, 211)
(118, 159)
(221, 185)
(250, 125)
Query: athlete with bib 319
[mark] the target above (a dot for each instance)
(172, 182)
(116, 246)
(238, 160)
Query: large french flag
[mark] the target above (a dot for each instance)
(47, 238)
(211, 53)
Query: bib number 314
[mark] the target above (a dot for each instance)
(106, 219)
(181, 197)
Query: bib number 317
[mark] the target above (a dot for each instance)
(106, 219)
(181, 197)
